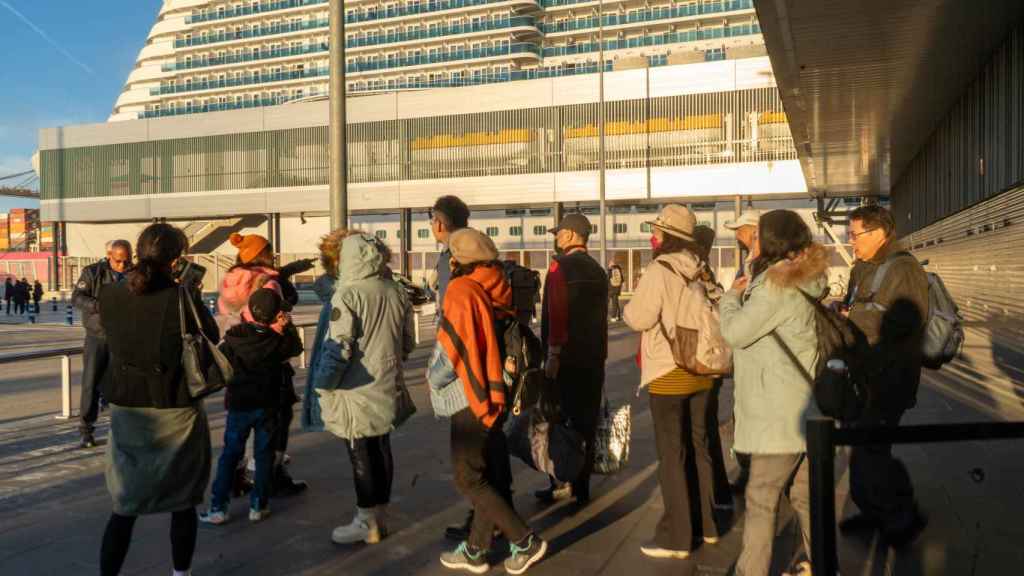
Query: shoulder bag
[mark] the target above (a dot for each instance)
(207, 369)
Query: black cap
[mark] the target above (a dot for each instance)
(576, 222)
(265, 305)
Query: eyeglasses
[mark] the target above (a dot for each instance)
(855, 235)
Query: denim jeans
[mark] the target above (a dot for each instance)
(236, 433)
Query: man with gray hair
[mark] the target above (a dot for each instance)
(96, 356)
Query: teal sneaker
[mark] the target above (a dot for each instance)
(522, 557)
(462, 558)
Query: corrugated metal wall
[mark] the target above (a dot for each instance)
(976, 152)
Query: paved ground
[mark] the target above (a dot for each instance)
(53, 503)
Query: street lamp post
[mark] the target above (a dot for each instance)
(338, 127)
(600, 134)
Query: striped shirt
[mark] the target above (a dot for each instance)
(679, 382)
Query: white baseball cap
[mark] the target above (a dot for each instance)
(748, 218)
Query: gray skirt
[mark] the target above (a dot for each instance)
(158, 460)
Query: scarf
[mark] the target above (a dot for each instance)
(469, 338)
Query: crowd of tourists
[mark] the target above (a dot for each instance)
(142, 315)
(23, 295)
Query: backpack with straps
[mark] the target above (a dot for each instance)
(525, 285)
(698, 346)
(840, 394)
(522, 348)
(943, 330)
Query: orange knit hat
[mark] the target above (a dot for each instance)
(249, 247)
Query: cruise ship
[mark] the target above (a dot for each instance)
(211, 55)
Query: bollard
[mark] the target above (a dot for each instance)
(212, 304)
(302, 338)
(54, 302)
(416, 326)
(65, 387)
(70, 315)
(31, 314)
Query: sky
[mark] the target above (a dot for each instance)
(63, 62)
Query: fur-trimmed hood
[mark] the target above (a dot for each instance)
(808, 271)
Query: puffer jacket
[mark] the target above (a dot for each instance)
(773, 399)
(360, 367)
(656, 303)
(311, 419)
(236, 287)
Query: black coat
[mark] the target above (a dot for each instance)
(9, 289)
(144, 336)
(86, 296)
(260, 357)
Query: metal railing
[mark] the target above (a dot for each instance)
(65, 354)
(636, 17)
(261, 8)
(822, 439)
(656, 40)
(244, 80)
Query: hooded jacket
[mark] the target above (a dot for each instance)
(773, 399)
(359, 369)
(258, 354)
(236, 287)
(466, 369)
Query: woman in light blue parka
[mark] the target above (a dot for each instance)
(760, 320)
(358, 377)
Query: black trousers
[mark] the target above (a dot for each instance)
(118, 537)
(614, 309)
(284, 422)
(476, 451)
(722, 493)
(879, 483)
(580, 389)
(372, 469)
(95, 360)
(680, 430)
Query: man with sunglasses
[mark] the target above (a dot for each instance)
(891, 312)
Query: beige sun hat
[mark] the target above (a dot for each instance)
(748, 218)
(677, 220)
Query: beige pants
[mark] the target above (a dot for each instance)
(771, 477)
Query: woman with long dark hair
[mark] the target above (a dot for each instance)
(770, 325)
(679, 399)
(159, 454)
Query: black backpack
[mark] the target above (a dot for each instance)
(840, 395)
(525, 285)
(518, 342)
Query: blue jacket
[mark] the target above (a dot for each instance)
(312, 420)
(444, 276)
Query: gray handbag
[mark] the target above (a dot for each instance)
(207, 369)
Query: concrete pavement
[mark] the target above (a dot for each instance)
(53, 502)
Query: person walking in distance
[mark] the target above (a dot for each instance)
(359, 378)
(158, 459)
(37, 295)
(893, 320)
(467, 384)
(9, 290)
(615, 281)
(574, 330)
(22, 295)
(770, 323)
(86, 297)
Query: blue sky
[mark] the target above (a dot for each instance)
(65, 65)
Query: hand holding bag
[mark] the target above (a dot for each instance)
(207, 369)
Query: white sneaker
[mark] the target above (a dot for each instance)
(257, 515)
(711, 539)
(215, 517)
(654, 551)
(363, 528)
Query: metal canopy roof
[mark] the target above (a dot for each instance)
(864, 82)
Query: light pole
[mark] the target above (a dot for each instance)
(600, 134)
(338, 175)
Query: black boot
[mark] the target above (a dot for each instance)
(285, 485)
(460, 532)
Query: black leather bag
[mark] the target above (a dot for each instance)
(207, 369)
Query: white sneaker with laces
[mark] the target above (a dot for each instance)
(363, 528)
(654, 551)
(215, 517)
(258, 515)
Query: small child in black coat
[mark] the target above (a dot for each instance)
(259, 356)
